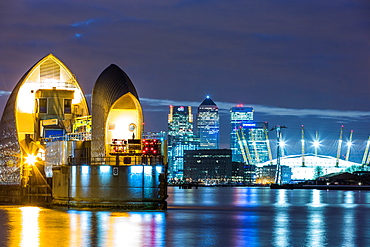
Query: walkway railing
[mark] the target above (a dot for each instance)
(119, 160)
(81, 136)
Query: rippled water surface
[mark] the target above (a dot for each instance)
(225, 216)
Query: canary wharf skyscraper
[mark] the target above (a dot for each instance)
(180, 138)
(249, 142)
(208, 125)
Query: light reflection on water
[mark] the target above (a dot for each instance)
(235, 216)
(30, 226)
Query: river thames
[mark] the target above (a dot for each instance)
(207, 216)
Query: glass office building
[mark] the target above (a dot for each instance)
(249, 141)
(208, 125)
(180, 138)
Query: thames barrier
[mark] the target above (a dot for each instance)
(55, 152)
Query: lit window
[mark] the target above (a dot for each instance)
(43, 105)
(67, 106)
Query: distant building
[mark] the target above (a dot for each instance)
(162, 135)
(180, 138)
(208, 125)
(257, 141)
(249, 142)
(207, 164)
(238, 116)
(326, 164)
(267, 174)
(243, 174)
(238, 171)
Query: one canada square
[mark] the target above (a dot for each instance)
(208, 124)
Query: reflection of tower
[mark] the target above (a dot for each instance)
(208, 127)
(116, 110)
(180, 138)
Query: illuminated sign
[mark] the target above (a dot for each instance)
(49, 122)
(249, 125)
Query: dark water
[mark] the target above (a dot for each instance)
(203, 217)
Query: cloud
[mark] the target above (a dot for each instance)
(82, 23)
(162, 105)
(3, 93)
(224, 107)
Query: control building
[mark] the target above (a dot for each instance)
(208, 125)
(46, 102)
(116, 111)
(53, 151)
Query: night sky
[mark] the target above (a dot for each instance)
(296, 62)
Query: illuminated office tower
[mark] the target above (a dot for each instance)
(180, 138)
(249, 143)
(208, 125)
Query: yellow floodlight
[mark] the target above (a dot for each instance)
(30, 159)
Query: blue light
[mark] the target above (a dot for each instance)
(136, 169)
(85, 169)
(148, 170)
(158, 169)
(77, 35)
(104, 169)
(73, 177)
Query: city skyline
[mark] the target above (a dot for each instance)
(295, 63)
